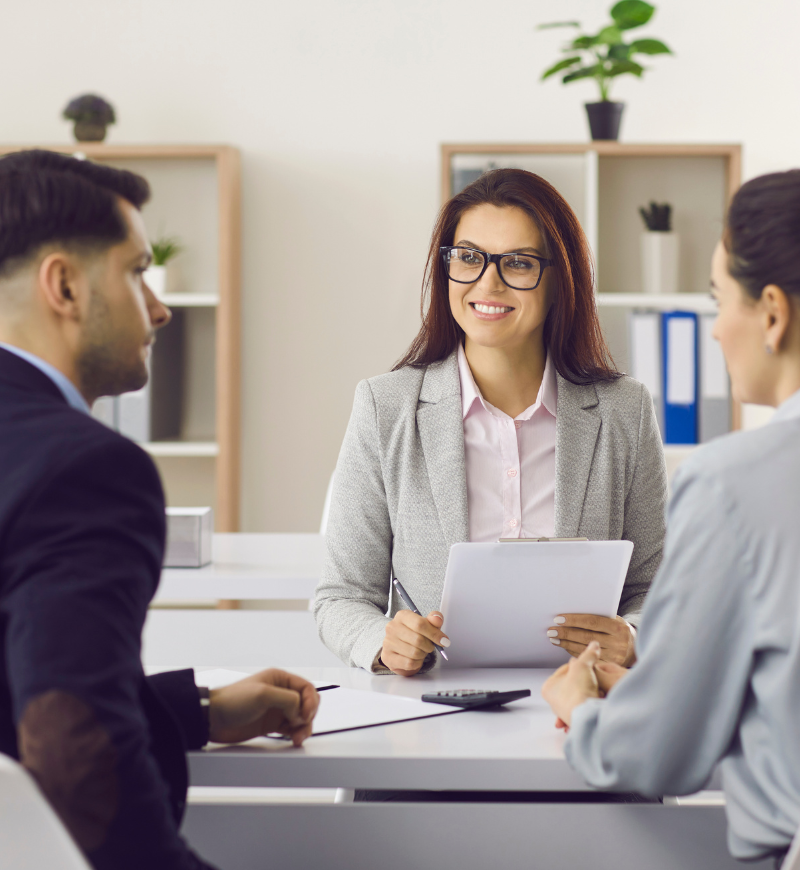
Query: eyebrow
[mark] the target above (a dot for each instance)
(467, 244)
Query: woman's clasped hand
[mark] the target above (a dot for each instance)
(409, 639)
(584, 677)
(615, 637)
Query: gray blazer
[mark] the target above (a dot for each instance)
(399, 497)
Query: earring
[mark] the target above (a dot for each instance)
(769, 349)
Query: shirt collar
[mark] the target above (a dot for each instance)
(789, 409)
(68, 390)
(548, 391)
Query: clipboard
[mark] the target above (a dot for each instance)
(498, 601)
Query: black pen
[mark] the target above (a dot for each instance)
(413, 608)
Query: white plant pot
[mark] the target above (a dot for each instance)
(660, 262)
(156, 279)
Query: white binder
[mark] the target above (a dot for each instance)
(499, 599)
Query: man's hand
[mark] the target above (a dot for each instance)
(572, 684)
(268, 702)
(575, 630)
(409, 638)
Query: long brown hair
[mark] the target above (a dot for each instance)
(572, 332)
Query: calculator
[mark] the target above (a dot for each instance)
(474, 698)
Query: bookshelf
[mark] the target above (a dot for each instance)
(605, 183)
(196, 195)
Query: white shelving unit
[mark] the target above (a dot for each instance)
(182, 448)
(190, 300)
(605, 183)
(702, 303)
(196, 197)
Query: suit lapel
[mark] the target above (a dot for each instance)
(577, 427)
(441, 433)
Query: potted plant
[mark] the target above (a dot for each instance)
(164, 249)
(659, 250)
(92, 116)
(604, 56)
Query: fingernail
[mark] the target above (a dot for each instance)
(560, 620)
(552, 633)
(445, 642)
(555, 641)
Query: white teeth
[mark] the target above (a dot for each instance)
(490, 309)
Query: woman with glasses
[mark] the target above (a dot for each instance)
(719, 655)
(505, 419)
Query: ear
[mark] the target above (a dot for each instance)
(777, 313)
(59, 283)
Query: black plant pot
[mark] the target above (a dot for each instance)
(604, 119)
(90, 131)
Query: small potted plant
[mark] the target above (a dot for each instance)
(604, 56)
(92, 116)
(659, 250)
(164, 249)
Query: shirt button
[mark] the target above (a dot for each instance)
(518, 424)
(512, 472)
(512, 523)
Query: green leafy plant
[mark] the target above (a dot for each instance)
(90, 109)
(164, 249)
(606, 55)
(657, 218)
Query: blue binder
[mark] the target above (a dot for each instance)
(679, 348)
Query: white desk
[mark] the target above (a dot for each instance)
(515, 749)
(249, 566)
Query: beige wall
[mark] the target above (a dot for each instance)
(339, 107)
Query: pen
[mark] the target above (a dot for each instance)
(413, 608)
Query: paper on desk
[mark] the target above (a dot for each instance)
(216, 678)
(349, 709)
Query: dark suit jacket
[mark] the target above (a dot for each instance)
(81, 545)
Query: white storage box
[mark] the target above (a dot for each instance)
(189, 533)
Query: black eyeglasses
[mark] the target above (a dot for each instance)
(517, 271)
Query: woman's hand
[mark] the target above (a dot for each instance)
(608, 675)
(572, 684)
(270, 701)
(616, 638)
(409, 638)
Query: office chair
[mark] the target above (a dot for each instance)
(32, 836)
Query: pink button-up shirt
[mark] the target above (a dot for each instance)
(511, 464)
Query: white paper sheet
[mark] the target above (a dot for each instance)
(347, 709)
(499, 599)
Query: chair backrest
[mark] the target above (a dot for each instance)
(31, 834)
(326, 508)
(792, 859)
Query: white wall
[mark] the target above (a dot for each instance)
(339, 107)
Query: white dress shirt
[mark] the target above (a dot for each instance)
(511, 463)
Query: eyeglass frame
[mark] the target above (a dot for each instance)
(488, 259)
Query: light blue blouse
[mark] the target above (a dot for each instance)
(718, 675)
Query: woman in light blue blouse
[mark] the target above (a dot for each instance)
(718, 672)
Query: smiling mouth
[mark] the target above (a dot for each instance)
(491, 309)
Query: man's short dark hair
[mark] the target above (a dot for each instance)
(48, 198)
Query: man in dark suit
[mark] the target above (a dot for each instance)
(82, 528)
